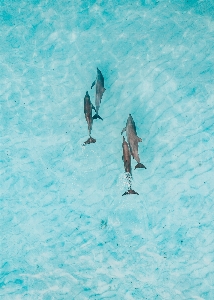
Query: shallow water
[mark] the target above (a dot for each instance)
(66, 231)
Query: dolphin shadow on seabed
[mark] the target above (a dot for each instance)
(88, 106)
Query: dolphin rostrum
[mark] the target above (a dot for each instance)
(88, 106)
(127, 166)
(99, 92)
(133, 140)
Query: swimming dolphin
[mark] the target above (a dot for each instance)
(127, 165)
(99, 92)
(88, 106)
(133, 140)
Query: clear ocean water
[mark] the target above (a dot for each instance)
(66, 231)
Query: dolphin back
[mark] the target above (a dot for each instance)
(100, 77)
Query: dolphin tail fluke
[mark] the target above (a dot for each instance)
(139, 165)
(96, 116)
(89, 141)
(129, 192)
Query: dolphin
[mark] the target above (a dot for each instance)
(127, 165)
(88, 106)
(133, 140)
(99, 92)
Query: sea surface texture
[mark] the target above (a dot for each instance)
(66, 231)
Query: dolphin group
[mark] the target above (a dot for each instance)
(130, 147)
(88, 106)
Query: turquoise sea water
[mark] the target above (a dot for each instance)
(66, 231)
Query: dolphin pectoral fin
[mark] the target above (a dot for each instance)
(93, 84)
(139, 139)
(103, 89)
(93, 107)
(124, 129)
(89, 141)
(139, 165)
(129, 192)
(122, 157)
(96, 116)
